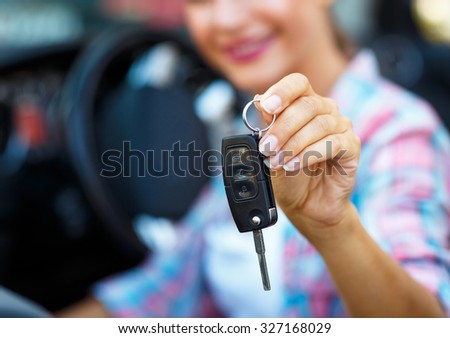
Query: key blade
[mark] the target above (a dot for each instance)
(264, 272)
(260, 250)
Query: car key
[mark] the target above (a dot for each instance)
(249, 188)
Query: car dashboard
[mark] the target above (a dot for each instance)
(53, 246)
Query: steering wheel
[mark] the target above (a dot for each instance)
(101, 112)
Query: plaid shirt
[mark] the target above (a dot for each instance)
(402, 194)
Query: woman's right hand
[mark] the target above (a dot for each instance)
(313, 152)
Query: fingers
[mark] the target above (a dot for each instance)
(343, 147)
(307, 124)
(283, 93)
(320, 127)
(317, 116)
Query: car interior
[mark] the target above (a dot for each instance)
(67, 218)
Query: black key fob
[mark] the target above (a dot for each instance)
(247, 183)
(249, 188)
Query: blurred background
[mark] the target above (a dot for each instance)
(64, 63)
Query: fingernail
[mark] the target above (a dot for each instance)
(267, 163)
(292, 165)
(268, 146)
(272, 104)
(275, 161)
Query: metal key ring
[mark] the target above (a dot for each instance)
(244, 117)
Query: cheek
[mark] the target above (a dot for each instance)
(293, 21)
(199, 27)
(195, 27)
(297, 20)
(295, 33)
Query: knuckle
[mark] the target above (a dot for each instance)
(323, 123)
(310, 104)
(295, 143)
(299, 78)
(334, 106)
(285, 123)
(337, 144)
(348, 123)
(281, 126)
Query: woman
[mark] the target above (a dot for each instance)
(366, 244)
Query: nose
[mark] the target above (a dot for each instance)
(230, 15)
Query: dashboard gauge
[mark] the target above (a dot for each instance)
(26, 126)
(30, 124)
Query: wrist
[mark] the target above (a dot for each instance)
(323, 235)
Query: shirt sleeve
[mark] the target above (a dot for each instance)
(402, 194)
(168, 283)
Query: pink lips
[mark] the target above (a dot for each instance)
(247, 49)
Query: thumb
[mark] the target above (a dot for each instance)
(267, 118)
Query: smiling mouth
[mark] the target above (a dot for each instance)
(248, 50)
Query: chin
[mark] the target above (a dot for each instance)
(253, 83)
(256, 78)
(248, 86)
